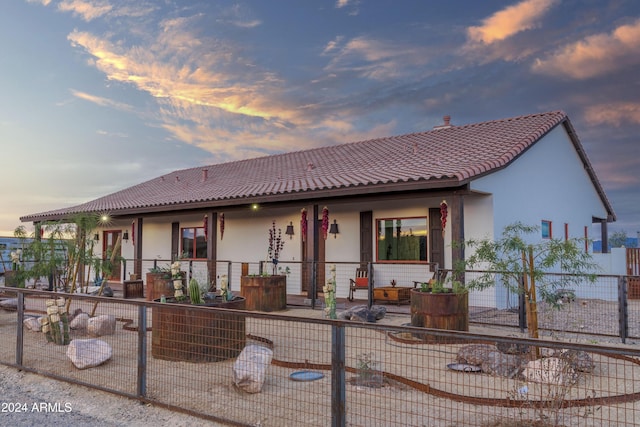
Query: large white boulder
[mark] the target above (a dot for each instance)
(250, 368)
(88, 353)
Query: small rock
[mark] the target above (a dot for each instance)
(101, 325)
(32, 324)
(9, 304)
(512, 347)
(250, 368)
(474, 354)
(502, 364)
(88, 353)
(79, 322)
(362, 313)
(107, 291)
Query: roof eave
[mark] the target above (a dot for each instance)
(388, 187)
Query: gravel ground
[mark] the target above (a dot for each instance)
(31, 400)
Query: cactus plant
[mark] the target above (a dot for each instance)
(55, 324)
(194, 292)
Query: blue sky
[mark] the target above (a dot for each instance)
(99, 95)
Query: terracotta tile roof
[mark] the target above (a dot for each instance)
(442, 157)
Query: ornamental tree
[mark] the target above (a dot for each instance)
(525, 267)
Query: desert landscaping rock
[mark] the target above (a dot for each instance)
(9, 304)
(80, 322)
(362, 313)
(32, 324)
(88, 353)
(101, 325)
(474, 354)
(502, 364)
(250, 368)
(512, 348)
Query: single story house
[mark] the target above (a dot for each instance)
(399, 200)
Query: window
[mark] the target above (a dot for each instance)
(546, 229)
(402, 239)
(194, 243)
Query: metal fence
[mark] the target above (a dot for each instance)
(332, 372)
(608, 308)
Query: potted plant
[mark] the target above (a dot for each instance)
(523, 266)
(267, 292)
(441, 303)
(158, 283)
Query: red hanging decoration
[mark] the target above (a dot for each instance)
(133, 232)
(325, 222)
(303, 224)
(444, 211)
(221, 226)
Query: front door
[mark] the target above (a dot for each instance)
(112, 249)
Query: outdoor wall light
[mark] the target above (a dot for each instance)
(254, 207)
(125, 236)
(289, 231)
(96, 237)
(334, 229)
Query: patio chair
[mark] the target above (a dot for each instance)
(361, 282)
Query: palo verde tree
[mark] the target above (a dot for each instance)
(525, 267)
(66, 251)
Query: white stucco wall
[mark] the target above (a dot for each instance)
(478, 224)
(550, 172)
(548, 182)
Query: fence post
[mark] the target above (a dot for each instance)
(338, 389)
(623, 308)
(314, 283)
(522, 310)
(371, 285)
(142, 351)
(20, 330)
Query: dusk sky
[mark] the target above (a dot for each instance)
(99, 95)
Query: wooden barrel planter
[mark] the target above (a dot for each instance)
(264, 293)
(11, 278)
(180, 332)
(446, 310)
(158, 284)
